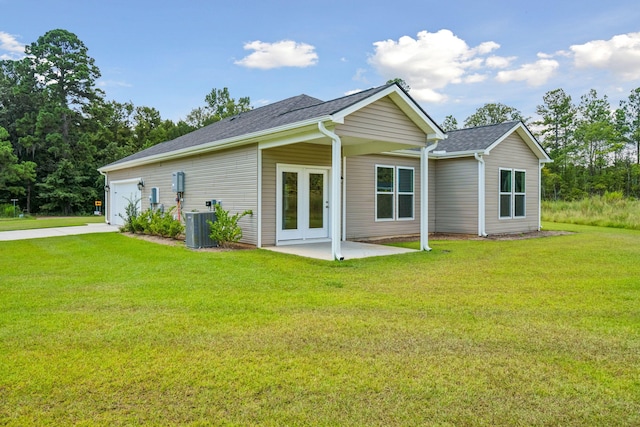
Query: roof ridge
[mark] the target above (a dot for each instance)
(485, 126)
(339, 99)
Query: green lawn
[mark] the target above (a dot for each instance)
(10, 224)
(108, 330)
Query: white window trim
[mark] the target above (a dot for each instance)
(412, 193)
(395, 193)
(519, 194)
(512, 193)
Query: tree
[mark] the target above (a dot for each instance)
(631, 108)
(57, 129)
(558, 122)
(14, 175)
(220, 105)
(400, 83)
(450, 123)
(493, 113)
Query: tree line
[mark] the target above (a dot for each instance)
(595, 148)
(57, 128)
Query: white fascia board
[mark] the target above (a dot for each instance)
(215, 145)
(436, 155)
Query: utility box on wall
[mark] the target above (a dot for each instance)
(197, 229)
(177, 182)
(154, 196)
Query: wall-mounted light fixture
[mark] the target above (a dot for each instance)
(140, 185)
(106, 187)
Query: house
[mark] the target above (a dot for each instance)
(487, 180)
(360, 166)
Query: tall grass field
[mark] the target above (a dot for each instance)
(107, 330)
(610, 210)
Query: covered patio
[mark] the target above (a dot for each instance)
(349, 250)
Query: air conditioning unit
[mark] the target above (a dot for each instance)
(197, 229)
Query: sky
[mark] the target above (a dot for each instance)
(456, 56)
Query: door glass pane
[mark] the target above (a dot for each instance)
(316, 200)
(289, 200)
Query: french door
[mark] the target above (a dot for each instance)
(303, 203)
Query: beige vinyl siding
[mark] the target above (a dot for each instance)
(512, 153)
(229, 175)
(297, 154)
(456, 190)
(361, 195)
(381, 121)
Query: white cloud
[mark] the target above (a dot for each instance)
(113, 83)
(535, 74)
(499, 61)
(360, 76)
(351, 92)
(620, 55)
(285, 53)
(9, 43)
(431, 62)
(475, 78)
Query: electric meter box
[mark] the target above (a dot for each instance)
(177, 182)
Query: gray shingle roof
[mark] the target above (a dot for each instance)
(475, 138)
(291, 110)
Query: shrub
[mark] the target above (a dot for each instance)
(163, 224)
(152, 221)
(225, 230)
(8, 210)
(130, 216)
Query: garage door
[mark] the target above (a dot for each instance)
(121, 194)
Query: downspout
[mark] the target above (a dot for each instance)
(259, 201)
(482, 232)
(336, 157)
(541, 164)
(424, 196)
(106, 219)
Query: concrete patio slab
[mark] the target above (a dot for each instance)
(350, 250)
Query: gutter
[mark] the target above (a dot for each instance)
(106, 218)
(482, 232)
(336, 157)
(211, 146)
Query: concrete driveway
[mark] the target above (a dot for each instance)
(57, 231)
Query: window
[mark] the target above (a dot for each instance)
(394, 193)
(512, 193)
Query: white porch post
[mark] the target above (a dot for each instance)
(336, 192)
(336, 197)
(424, 196)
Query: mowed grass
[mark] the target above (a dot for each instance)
(11, 224)
(108, 330)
